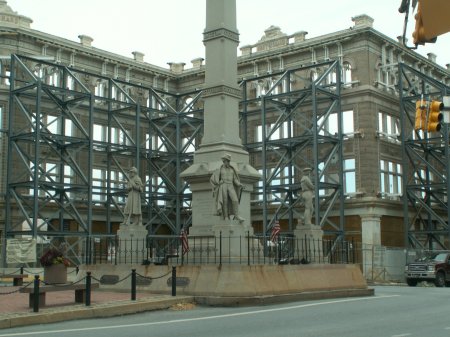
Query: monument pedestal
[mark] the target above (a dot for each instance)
(228, 239)
(132, 244)
(310, 243)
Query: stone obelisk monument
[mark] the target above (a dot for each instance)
(221, 139)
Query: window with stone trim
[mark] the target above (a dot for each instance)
(281, 132)
(388, 127)
(50, 172)
(390, 178)
(347, 74)
(349, 175)
(276, 177)
(330, 125)
(155, 143)
(117, 183)
(158, 189)
(118, 136)
(98, 185)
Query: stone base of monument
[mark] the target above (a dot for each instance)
(233, 284)
(226, 240)
(312, 236)
(132, 244)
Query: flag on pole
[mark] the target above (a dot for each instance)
(184, 241)
(275, 232)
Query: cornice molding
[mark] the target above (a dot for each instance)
(221, 33)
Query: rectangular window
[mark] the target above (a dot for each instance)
(274, 177)
(68, 127)
(390, 178)
(118, 136)
(98, 185)
(70, 82)
(330, 125)
(117, 184)
(51, 123)
(159, 189)
(48, 172)
(100, 133)
(53, 77)
(349, 176)
(283, 131)
(388, 127)
(158, 144)
(419, 179)
(347, 122)
(68, 178)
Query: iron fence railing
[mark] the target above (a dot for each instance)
(165, 249)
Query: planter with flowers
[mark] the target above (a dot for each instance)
(55, 266)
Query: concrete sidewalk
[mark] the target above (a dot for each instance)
(61, 306)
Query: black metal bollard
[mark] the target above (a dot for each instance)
(220, 248)
(36, 294)
(77, 270)
(21, 270)
(248, 248)
(174, 281)
(88, 288)
(133, 284)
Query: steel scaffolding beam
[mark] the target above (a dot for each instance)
(296, 107)
(425, 165)
(73, 135)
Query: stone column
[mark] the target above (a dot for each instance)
(371, 243)
(221, 96)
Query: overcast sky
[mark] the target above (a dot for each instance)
(172, 30)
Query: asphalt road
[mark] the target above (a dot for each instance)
(394, 311)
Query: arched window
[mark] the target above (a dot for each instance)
(347, 74)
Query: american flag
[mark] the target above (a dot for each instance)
(275, 232)
(184, 241)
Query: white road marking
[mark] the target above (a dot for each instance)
(255, 312)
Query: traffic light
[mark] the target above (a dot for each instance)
(421, 115)
(431, 20)
(435, 116)
(420, 34)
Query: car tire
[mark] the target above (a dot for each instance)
(440, 280)
(411, 282)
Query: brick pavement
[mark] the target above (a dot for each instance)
(14, 301)
(61, 306)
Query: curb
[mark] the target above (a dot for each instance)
(126, 307)
(80, 311)
(230, 301)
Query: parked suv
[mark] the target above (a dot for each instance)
(434, 268)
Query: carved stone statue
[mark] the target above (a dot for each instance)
(132, 210)
(227, 190)
(307, 195)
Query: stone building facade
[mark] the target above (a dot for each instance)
(369, 102)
